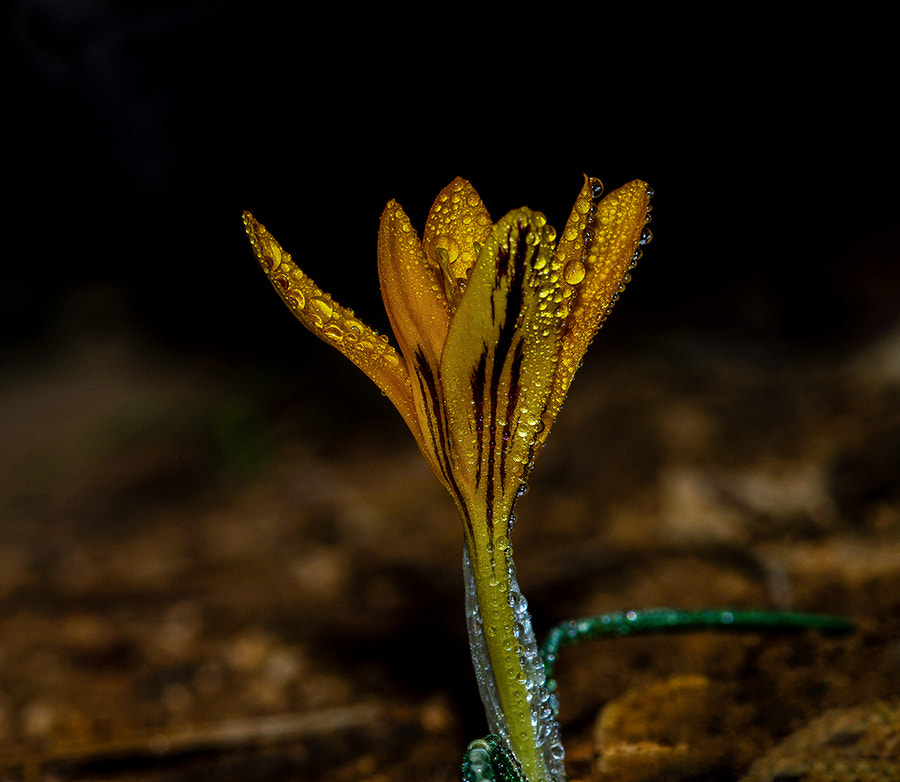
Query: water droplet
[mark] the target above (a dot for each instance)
(322, 308)
(574, 272)
(596, 187)
(333, 332)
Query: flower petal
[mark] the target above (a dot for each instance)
(598, 247)
(332, 323)
(411, 287)
(498, 365)
(413, 295)
(457, 226)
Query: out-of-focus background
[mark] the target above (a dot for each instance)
(209, 519)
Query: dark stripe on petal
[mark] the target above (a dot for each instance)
(478, 384)
(437, 431)
(511, 269)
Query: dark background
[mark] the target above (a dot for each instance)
(139, 131)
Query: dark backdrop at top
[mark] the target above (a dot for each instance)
(140, 131)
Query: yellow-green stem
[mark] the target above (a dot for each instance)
(511, 679)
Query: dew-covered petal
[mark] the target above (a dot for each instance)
(596, 250)
(499, 362)
(411, 288)
(457, 226)
(414, 298)
(332, 323)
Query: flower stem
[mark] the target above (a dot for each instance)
(508, 666)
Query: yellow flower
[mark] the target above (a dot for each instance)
(491, 323)
(492, 320)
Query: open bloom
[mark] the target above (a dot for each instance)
(491, 320)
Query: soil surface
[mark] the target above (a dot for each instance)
(215, 570)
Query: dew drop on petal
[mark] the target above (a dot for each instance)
(574, 272)
(333, 332)
(322, 308)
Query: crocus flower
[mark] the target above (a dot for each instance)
(491, 321)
